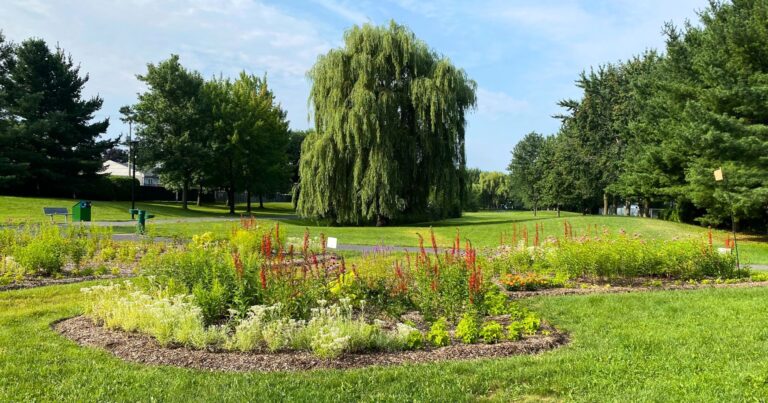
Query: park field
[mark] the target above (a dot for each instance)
(486, 229)
(30, 209)
(646, 346)
(483, 229)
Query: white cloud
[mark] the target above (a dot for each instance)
(495, 104)
(113, 41)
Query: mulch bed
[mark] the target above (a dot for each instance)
(42, 282)
(602, 289)
(139, 348)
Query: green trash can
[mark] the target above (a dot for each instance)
(81, 211)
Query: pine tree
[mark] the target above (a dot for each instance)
(50, 122)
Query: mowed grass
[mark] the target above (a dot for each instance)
(705, 345)
(486, 229)
(30, 209)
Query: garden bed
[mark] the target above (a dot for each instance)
(43, 282)
(609, 289)
(139, 348)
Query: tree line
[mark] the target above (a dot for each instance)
(651, 130)
(212, 134)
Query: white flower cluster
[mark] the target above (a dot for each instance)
(330, 331)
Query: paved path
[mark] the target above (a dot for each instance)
(186, 220)
(342, 247)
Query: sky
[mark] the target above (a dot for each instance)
(524, 55)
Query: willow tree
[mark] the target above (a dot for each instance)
(388, 143)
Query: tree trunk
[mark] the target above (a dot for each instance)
(646, 208)
(261, 201)
(558, 210)
(627, 207)
(605, 203)
(200, 195)
(184, 194)
(381, 221)
(535, 208)
(248, 201)
(231, 197)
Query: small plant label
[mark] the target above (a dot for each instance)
(331, 242)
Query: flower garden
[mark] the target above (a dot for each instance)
(259, 292)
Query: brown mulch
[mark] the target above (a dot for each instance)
(597, 289)
(144, 349)
(42, 282)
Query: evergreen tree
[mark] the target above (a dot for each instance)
(390, 122)
(48, 123)
(11, 169)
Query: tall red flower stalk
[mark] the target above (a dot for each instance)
(457, 242)
(514, 235)
(536, 239)
(322, 244)
(434, 241)
(421, 246)
(525, 235)
(263, 277)
(305, 244)
(710, 237)
(401, 286)
(238, 263)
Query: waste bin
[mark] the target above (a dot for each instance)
(81, 211)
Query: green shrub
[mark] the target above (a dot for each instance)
(531, 324)
(614, 257)
(10, 270)
(468, 329)
(44, 254)
(515, 330)
(410, 338)
(438, 333)
(492, 332)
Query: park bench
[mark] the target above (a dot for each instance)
(53, 211)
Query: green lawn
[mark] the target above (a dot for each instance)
(706, 345)
(17, 209)
(484, 229)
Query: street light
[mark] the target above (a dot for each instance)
(720, 177)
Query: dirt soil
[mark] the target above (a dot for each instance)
(139, 348)
(42, 282)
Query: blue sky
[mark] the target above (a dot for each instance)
(524, 55)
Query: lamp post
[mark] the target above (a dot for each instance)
(132, 168)
(720, 177)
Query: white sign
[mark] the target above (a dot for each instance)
(331, 242)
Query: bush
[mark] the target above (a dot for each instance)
(531, 324)
(492, 332)
(43, 254)
(610, 258)
(468, 329)
(515, 331)
(438, 333)
(10, 270)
